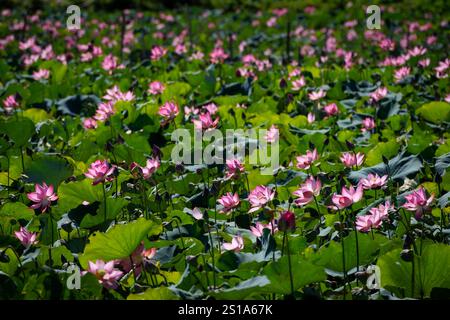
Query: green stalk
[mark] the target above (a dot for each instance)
(104, 199)
(290, 265)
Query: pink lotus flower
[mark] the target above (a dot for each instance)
(373, 181)
(258, 229)
(286, 221)
(259, 197)
(331, 109)
(211, 108)
(313, 96)
(307, 191)
(347, 197)
(236, 244)
(156, 87)
(218, 55)
(168, 111)
(106, 274)
(100, 171)
(197, 214)
(198, 55)
(350, 159)
(114, 94)
(151, 166)
(424, 62)
(305, 161)
(234, 168)
(41, 74)
(378, 94)
(89, 123)
(401, 73)
(229, 201)
(368, 124)
(104, 111)
(417, 201)
(311, 117)
(205, 122)
(272, 134)
(42, 197)
(375, 218)
(157, 53)
(10, 103)
(298, 84)
(139, 257)
(26, 237)
(110, 63)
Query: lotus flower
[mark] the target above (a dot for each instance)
(286, 221)
(156, 87)
(41, 74)
(100, 171)
(26, 237)
(42, 197)
(272, 134)
(313, 96)
(331, 109)
(258, 229)
(89, 123)
(229, 201)
(10, 103)
(168, 111)
(106, 274)
(157, 53)
(368, 124)
(218, 55)
(375, 218)
(305, 161)
(373, 181)
(234, 168)
(347, 197)
(350, 159)
(236, 244)
(418, 201)
(104, 111)
(205, 122)
(259, 197)
(378, 94)
(308, 190)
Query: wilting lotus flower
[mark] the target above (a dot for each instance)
(417, 201)
(89, 123)
(205, 122)
(272, 134)
(157, 53)
(156, 87)
(368, 124)
(41, 74)
(258, 229)
(26, 237)
(259, 197)
(347, 197)
(286, 221)
(168, 111)
(42, 197)
(236, 244)
(229, 201)
(10, 103)
(106, 274)
(331, 109)
(373, 181)
(100, 171)
(401, 73)
(307, 191)
(378, 94)
(350, 159)
(234, 168)
(104, 111)
(305, 161)
(311, 117)
(313, 96)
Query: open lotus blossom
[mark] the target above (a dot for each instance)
(258, 229)
(41, 74)
(350, 159)
(272, 134)
(26, 237)
(110, 63)
(114, 94)
(104, 111)
(157, 53)
(168, 111)
(419, 202)
(347, 197)
(234, 168)
(373, 181)
(259, 197)
(151, 166)
(298, 83)
(375, 218)
(106, 274)
(229, 201)
(305, 161)
(236, 244)
(211, 108)
(401, 73)
(368, 124)
(42, 197)
(331, 109)
(218, 55)
(89, 123)
(311, 117)
(316, 95)
(307, 191)
(100, 171)
(156, 87)
(286, 222)
(10, 103)
(205, 122)
(378, 94)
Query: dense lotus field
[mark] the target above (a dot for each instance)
(94, 205)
